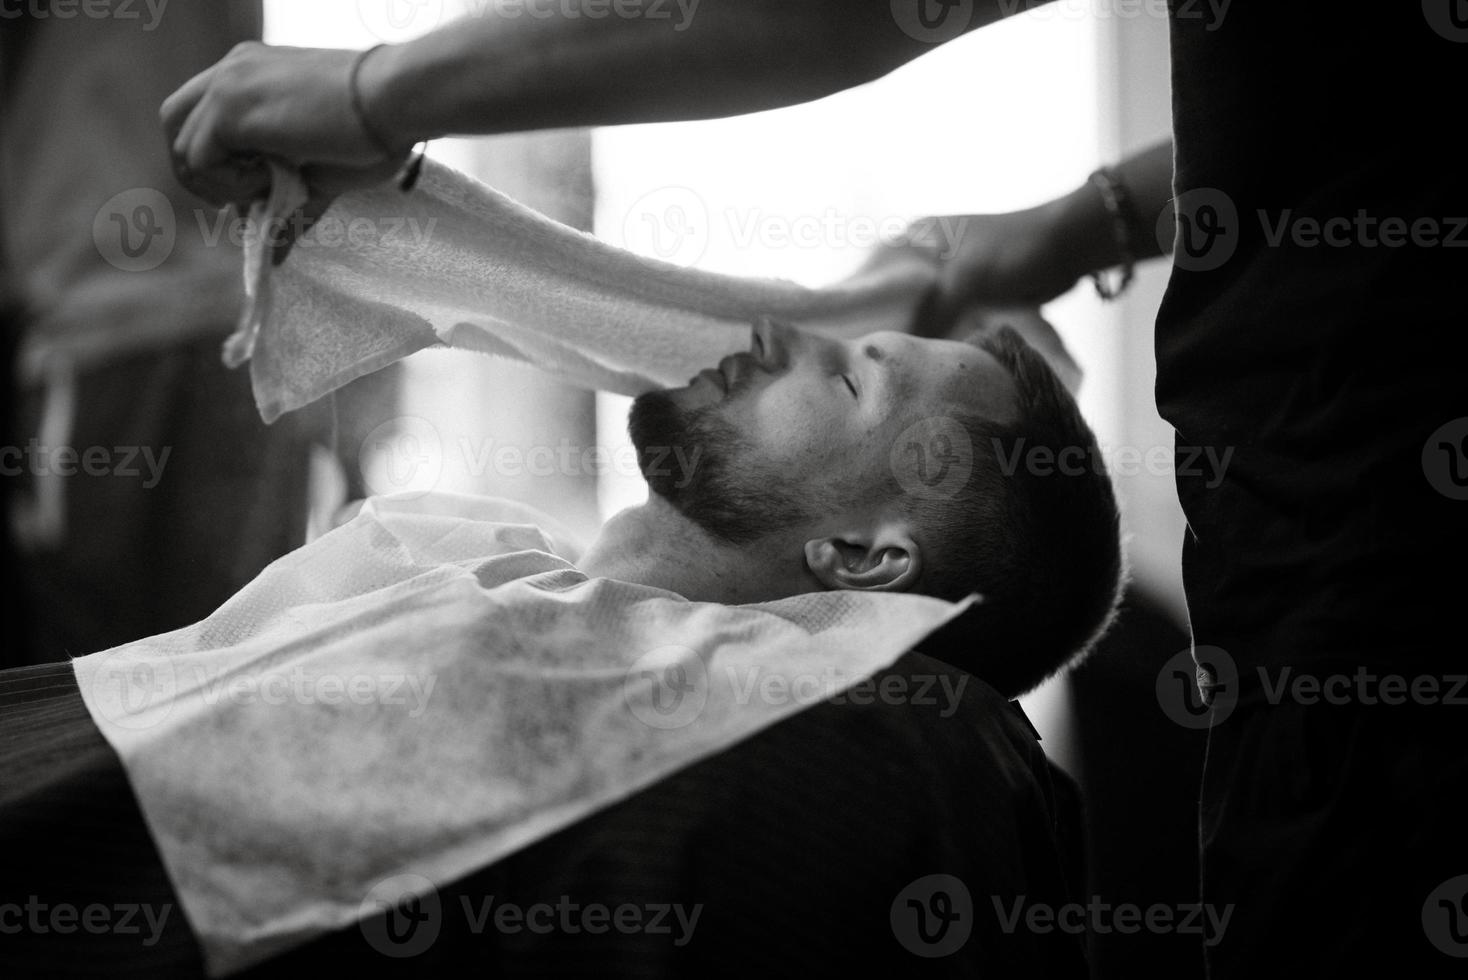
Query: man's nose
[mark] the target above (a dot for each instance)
(775, 344)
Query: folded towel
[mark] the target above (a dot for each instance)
(429, 688)
(384, 274)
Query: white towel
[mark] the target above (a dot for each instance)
(384, 274)
(429, 688)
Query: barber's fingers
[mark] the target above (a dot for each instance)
(937, 312)
(200, 125)
(180, 105)
(184, 116)
(957, 288)
(211, 167)
(193, 161)
(175, 115)
(184, 103)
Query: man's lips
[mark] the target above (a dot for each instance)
(714, 378)
(730, 371)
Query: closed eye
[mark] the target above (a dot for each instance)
(847, 379)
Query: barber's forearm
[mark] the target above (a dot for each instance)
(1083, 221)
(497, 74)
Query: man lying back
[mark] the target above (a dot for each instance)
(825, 474)
(885, 463)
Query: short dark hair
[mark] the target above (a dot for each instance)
(1035, 529)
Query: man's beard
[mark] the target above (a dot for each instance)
(703, 466)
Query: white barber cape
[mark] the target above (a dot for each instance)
(425, 690)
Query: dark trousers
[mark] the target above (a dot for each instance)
(1336, 832)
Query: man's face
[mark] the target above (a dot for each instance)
(802, 426)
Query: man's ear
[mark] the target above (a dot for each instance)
(887, 560)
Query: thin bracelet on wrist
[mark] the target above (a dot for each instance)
(1118, 204)
(407, 178)
(354, 88)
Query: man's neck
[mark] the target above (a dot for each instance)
(655, 545)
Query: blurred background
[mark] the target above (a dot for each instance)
(115, 294)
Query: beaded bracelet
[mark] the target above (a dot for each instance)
(1118, 205)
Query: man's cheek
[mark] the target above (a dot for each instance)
(807, 458)
(790, 430)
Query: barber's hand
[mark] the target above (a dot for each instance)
(1006, 260)
(260, 101)
(994, 271)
